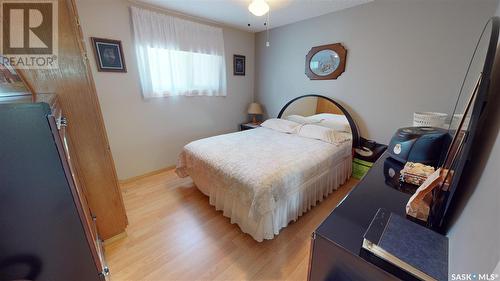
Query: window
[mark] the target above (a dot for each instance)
(178, 57)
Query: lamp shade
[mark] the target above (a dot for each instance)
(254, 108)
(258, 7)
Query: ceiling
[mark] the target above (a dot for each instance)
(235, 12)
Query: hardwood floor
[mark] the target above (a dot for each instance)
(174, 234)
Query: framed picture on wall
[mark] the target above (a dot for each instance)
(109, 55)
(239, 65)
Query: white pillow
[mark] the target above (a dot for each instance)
(297, 119)
(334, 121)
(280, 125)
(324, 134)
(326, 116)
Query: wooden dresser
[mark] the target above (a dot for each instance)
(46, 227)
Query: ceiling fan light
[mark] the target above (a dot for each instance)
(258, 7)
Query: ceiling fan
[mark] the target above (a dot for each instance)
(260, 8)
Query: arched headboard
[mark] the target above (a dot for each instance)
(352, 124)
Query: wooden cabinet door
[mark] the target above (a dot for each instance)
(91, 155)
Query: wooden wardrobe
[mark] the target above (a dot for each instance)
(90, 151)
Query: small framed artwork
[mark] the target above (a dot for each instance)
(239, 65)
(109, 55)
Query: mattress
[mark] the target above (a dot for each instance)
(262, 179)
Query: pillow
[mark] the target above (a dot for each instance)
(336, 125)
(333, 121)
(323, 134)
(302, 119)
(280, 125)
(326, 116)
(297, 119)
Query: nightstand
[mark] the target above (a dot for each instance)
(248, 126)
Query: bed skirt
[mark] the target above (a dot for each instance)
(288, 209)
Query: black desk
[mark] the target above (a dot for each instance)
(336, 243)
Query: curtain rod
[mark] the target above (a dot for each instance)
(198, 19)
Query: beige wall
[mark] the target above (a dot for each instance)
(402, 56)
(475, 234)
(146, 135)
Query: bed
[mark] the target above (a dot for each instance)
(262, 179)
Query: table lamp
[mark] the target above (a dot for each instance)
(254, 109)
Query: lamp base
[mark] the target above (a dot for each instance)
(254, 119)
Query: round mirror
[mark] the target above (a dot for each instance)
(324, 62)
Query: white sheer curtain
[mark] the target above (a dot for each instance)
(178, 57)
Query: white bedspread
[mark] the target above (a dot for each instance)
(260, 170)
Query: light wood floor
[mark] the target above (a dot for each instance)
(174, 234)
